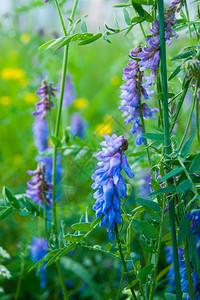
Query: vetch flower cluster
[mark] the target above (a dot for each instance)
(45, 104)
(38, 188)
(47, 162)
(132, 93)
(150, 55)
(109, 182)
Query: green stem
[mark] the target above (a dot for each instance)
(123, 261)
(188, 270)
(189, 26)
(120, 285)
(19, 283)
(45, 221)
(189, 121)
(61, 18)
(158, 255)
(167, 142)
(58, 118)
(142, 29)
(62, 282)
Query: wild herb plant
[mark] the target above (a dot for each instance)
(172, 183)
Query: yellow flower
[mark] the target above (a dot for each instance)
(103, 129)
(25, 38)
(115, 80)
(5, 100)
(12, 73)
(30, 98)
(81, 103)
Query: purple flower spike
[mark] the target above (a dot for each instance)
(150, 54)
(45, 104)
(38, 188)
(131, 90)
(108, 181)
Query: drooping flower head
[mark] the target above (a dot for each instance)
(130, 93)
(150, 54)
(109, 182)
(47, 162)
(38, 188)
(45, 92)
(38, 249)
(77, 125)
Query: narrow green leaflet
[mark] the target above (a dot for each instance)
(183, 229)
(46, 257)
(138, 8)
(108, 247)
(154, 136)
(81, 226)
(5, 212)
(144, 2)
(56, 141)
(175, 72)
(11, 198)
(184, 186)
(83, 26)
(74, 238)
(187, 146)
(96, 222)
(195, 166)
(171, 174)
(150, 203)
(60, 253)
(152, 213)
(149, 230)
(145, 271)
(130, 285)
(182, 55)
(91, 39)
(122, 5)
(46, 44)
(66, 41)
(167, 237)
(168, 189)
(126, 17)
